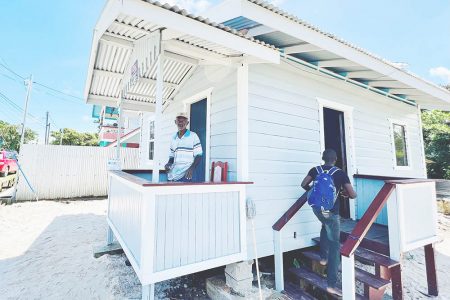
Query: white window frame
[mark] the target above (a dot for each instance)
(349, 139)
(408, 145)
(205, 94)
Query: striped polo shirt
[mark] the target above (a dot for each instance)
(183, 150)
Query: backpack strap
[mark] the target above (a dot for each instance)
(333, 170)
(319, 170)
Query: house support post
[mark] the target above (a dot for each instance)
(109, 236)
(348, 277)
(431, 270)
(278, 254)
(119, 130)
(397, 286)
(242, 122)
(148, 292)
(158, 112)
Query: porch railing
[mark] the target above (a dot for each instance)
(414, 192)
(357, 235)
(278, 247)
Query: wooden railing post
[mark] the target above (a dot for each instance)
(278, 254)
(278, 247)
(348, 277)
(431, 270)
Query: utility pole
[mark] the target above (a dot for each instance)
(61, 133)
(29, 84)
(47, 128)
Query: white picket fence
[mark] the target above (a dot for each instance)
(63, 172)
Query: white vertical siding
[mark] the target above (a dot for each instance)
(223, 113)
(125, 213)
(284, 143)
(195, 227)
(59, 172)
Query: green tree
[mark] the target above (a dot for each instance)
(10, 135)
(436, 135)
(74, 138)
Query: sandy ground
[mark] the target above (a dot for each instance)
(46, 253)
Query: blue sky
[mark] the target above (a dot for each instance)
(51, 39)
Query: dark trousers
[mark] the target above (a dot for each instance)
(330, 247)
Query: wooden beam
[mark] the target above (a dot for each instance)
(386, 84)
(102, 100)
(302, 48)
(131, 27)
(364, 74)
(336, 63)
(260, 30)
(141, 80)
(110, 38)
(180, 58)
(194, 52)
(147, 97)
(431, 270)
(407, 91)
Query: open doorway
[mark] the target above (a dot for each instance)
(334, 138)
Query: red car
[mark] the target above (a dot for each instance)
(7, 163)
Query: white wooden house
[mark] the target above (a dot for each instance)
(267, 93)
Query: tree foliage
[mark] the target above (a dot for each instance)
(74, 138)
(10, 135)
(436, 135)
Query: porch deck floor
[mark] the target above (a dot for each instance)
(376, 239)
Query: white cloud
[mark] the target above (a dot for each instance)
(192, 6)
(441, 72)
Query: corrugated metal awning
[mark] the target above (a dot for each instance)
(187, 41)
(328, 54)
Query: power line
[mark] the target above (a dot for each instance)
(4, 65)
(10, 70)
(57, 91)
(19, 109)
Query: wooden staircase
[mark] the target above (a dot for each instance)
(363, 241)
(310, 278)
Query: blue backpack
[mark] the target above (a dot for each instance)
(323, 193)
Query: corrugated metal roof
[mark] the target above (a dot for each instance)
(294, 18)
(206, 21)
(114, 54)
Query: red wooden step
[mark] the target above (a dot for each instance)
(295, 292)
(315, 280)
(368, 256)
(360, 275)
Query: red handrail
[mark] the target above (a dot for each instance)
(363, 225)
(290, 212)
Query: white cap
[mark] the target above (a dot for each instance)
(182, 114)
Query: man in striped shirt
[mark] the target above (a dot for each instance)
(185, 152)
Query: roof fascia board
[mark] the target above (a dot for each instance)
(281, 23)
(109, 13)
(174, 21)
(127, 104)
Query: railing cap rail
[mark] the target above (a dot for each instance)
(279, 224)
